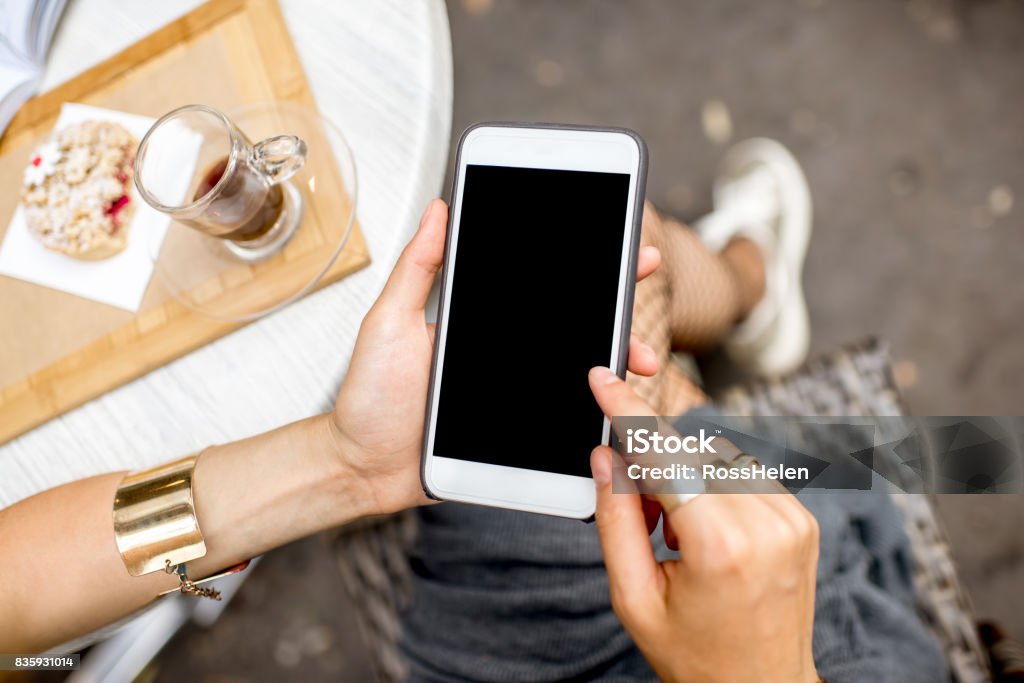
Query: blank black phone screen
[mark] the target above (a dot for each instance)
(533, 298)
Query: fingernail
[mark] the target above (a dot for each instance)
(601, 466)
(426, 212)
(601, 375)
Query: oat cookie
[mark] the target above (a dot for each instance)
(77, 190)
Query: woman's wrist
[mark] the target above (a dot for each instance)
(268, 490)
(332, 454)
(386, 474)
(330, 483)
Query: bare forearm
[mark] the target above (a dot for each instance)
(60, 571)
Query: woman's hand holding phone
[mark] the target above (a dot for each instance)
(739, 603)
(376, 427)
(748, 561)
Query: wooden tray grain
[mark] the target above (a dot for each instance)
(58, 351)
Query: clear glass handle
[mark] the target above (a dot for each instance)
(278, 158)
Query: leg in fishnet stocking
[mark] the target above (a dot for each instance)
(690, 303)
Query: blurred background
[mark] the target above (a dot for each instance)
(908, 117)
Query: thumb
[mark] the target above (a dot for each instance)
(632, 568)
(615, 396)
(409, 284)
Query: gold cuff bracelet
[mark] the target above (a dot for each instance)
(155, 524)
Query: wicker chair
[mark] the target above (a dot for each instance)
(856, 381)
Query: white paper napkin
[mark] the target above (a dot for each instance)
(120, 280)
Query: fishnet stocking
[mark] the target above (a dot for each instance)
(690, 303)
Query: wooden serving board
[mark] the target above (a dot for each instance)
(57, 350)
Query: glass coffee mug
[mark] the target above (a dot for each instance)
(234, 190)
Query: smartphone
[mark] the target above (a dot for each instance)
(536, 289)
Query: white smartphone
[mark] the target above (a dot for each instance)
(537, 288)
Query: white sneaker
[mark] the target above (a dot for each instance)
(760, 193)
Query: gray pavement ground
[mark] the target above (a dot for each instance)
(907, 116)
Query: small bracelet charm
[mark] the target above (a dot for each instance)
(187, 585)
(190, 587)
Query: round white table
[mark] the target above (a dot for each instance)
(382, 71)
